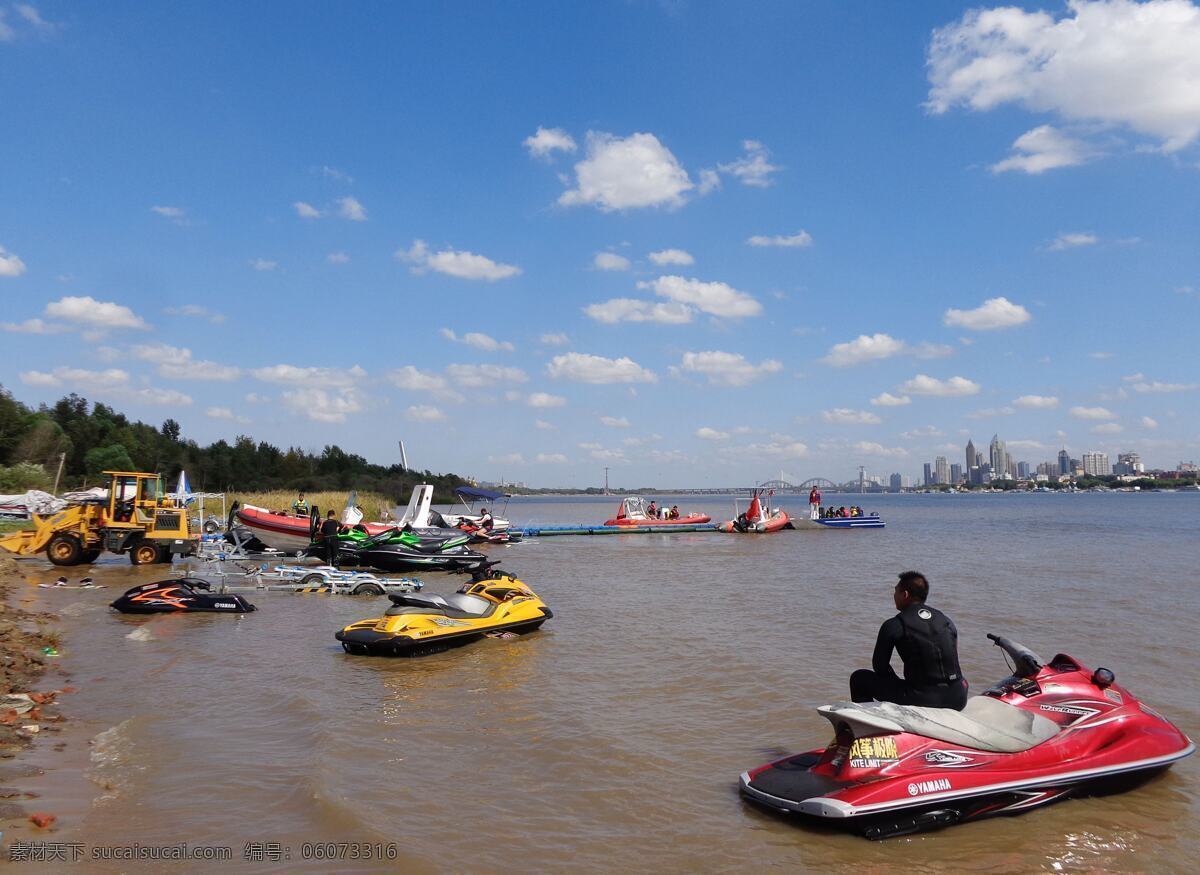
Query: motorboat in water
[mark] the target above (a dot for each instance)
(422, 623)
(633, 512)
(758, 518)
(286, 531)
(181, 595)
(471, 517)
(1046, 733)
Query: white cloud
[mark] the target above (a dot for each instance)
(322, 406)
(780, 447)
(176, 362)
(887, 399)
(991, 314)
(310, 377)
(554, 339)
(846, 416)
(617, 310)
(1044, 148)
(671, 256)
(456, 263)
(263, 264)
(927, 431)
(1147, 422)
(1025, 445)
(1073, 241)
(478, 341)
(255, 398)
(88, 311)
(871, 448)
(1115, 63)
(714, 298)
(31, 16)
(873, 347)
(1107, 428)
(549, 140)
(711, 434)
(159, 397)
(196, 312)
(337, 258)
(610, 261)
(544, 426)
(620, 174)
(337, 175)
(109, 378)
(10, 264)
(1037, 402)
(922, 384)
(989, 412)
(478, 376)
(710, 181)
(551, 459)
(1092, 413)
(727, 368)
(753, 168)
(178, 215)
(544, 400)
(584, 368)
(1155, 387)
(423, 413)
(34, 326)
(788, 241)
(350, 208)
(614, 421)
(225, 413)
(507, 459)
(1100, 355)
(414, 380)
(305, 210)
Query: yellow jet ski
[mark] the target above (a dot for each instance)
(421, 623)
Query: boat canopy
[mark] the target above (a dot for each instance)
(475, 492)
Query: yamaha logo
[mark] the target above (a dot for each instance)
(935, 786)
(925, 614)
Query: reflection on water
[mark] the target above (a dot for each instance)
(614, 736)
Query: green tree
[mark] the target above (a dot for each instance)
(111, 458)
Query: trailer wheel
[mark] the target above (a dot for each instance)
(211, 527)
(64, 550)
(367, 589)
(313, 580)
(144, 553)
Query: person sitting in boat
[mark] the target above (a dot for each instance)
(301, 507)
(927, 642)
(652, 510)
(674, 512)
(485, 520)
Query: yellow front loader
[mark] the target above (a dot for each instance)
(136, 518)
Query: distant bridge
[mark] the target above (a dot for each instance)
(784, 486)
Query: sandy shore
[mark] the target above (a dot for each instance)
(28, 707)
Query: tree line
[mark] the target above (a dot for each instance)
(89, 438)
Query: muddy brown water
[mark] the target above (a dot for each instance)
(612, 739)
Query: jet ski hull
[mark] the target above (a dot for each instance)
(179, 596)
(389, 558)
(367, 642)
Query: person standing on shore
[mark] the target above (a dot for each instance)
(814, 503)
(329, 535)
(927, 642)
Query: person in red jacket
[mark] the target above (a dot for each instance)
(814, 503)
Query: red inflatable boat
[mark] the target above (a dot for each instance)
(632, 512)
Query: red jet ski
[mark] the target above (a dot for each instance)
(1047, 733)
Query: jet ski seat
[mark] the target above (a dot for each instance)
(985, 723)
(457, 605)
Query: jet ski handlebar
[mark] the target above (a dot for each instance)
(1027, 662)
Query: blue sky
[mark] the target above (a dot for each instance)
(698, 243)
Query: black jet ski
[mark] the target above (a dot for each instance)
(402, 550)
(184, 594)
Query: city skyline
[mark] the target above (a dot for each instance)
(610, 241)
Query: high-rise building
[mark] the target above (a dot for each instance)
(1023, 470)
(1095, 464)
(1064, 461)
(996, 457)
(971, 454)
(1129, 463)
(956, 474)
(941, 470)
(1048, 468)
(928, 481)
(895, 483)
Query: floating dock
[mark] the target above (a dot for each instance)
(547, 531)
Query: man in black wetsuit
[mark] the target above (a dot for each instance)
(927, 643)
(329, 534)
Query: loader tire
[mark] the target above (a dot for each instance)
(64, 550)
(144, 553)
(91, 555)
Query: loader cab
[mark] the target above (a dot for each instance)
(132, 498)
